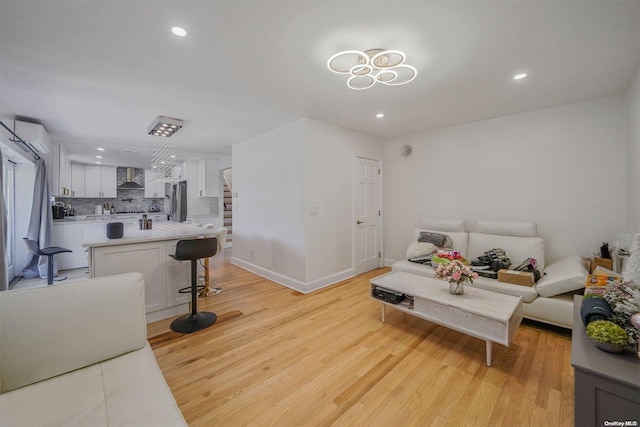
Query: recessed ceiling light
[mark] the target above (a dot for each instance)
(179, 31)
(100, 149)
(98, 157)
(380, 115)
(520, 76)
(98, 163)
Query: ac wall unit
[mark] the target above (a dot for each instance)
(34, 135)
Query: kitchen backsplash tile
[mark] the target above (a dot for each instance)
(127, 200)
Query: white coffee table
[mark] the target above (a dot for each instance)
(487, 315)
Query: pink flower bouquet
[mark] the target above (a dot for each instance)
(456, 271)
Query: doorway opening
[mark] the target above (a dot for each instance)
(228, 205)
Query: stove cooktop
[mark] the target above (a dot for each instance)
(130, 212)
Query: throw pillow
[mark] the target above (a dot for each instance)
(420, 249)
(440, 240)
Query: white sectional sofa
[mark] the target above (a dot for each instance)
(76, 354)
(549, 301)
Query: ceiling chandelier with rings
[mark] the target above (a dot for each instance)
(365, 69)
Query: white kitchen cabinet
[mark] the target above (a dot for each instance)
(163, 276)
(60, 171)
(69, 235)
(109, 182)
(153, 189)
(207, 178)
(100, 181)
(146, 258)
(93, 180)
(77, 180)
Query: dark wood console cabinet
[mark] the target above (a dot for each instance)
(607, 385)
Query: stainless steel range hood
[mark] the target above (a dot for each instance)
(130, 183)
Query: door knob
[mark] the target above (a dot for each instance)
(359, 222)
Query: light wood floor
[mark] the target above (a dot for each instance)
(276, 357)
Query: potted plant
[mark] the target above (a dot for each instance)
(607, 335)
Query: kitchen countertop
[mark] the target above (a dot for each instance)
(95, 234)
(105, 217)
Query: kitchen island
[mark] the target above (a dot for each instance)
(147, 252)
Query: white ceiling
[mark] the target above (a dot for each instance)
(97, 73)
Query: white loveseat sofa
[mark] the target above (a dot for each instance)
(76, 354)
(550, 300)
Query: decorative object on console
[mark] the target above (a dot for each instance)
(456, 273)
(593, 308)
(624, 299)
(375, 65)
(607, 335)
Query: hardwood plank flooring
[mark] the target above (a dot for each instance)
(276, 357)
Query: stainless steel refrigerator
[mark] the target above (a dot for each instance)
(178, 201)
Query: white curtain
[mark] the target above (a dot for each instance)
(4, 281)
(40, 224)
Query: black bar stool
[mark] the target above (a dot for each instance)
(193, 250)
(49, 252)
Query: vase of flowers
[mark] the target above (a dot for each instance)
(456, 273)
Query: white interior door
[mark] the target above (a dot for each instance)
(367, 215)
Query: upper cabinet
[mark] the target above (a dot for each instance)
(77, 180)
(100, 181)
(152, 189)
(60, 171)
(207, 178)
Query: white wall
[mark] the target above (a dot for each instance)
(279, 177)
(563, 168)
(268, 214)
(329, 189)
(633, 159)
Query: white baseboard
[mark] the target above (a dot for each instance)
(389, 262)
(294, 284)
(329, 280)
